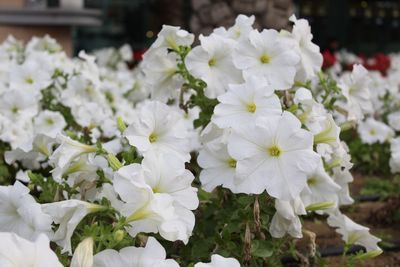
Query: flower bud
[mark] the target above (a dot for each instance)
(114, 162)
(119, 235)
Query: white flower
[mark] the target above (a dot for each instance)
(355, 88)
(320, 188)
(170, 37)
(372, 131)
(68, 214)
(161, 76)
(274, 154)
(311, 59)
(239, 31)
(245, 102)
(212, 62)
(68, 151)
(150, 212)
(219, 261)
(343, 178)
(286, 218)
(265, 54)
(20, 214)
(394, 120)
(17, 104)
(167, 174)
(219, 168)
(49, 123)
(353, 233)
(17, 251)
(395, 155)
(83, 254)
(152, 255)
(159, 128)
(29, 76)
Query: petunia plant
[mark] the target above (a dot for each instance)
(203, 153)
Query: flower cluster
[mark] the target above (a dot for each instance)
(107, 158)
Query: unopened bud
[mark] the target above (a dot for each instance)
(320, 206)
(119, 235)
(114, 162)
(368, 255)
(121, 125)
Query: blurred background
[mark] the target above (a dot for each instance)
(362, 26)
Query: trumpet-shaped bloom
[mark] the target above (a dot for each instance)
(212, 62)
(274, 154)
(311, 59)
(152, 255)
(147, 211)
(243, 103)
(240, 30)
(265, 54)
(219, 261)
(68, 214)
(286, 219)
(160, 129)
(17, 251)
(21, 214)
(353, 233)
(68, 151)
(394, 120)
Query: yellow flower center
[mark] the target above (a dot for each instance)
(14, 109)
(212, 62)
(251, 107)
(28, 80)
(153, 138)
(232, 163)
(274, 151)
(265, 59)
(49, 121)
(372, 132)
(312, 181)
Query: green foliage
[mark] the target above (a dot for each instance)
(221, 222)
(368, 159)
(382, 187)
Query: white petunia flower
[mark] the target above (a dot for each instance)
(21, 214)
(17, 104)
(152, 255)
(49, 123)
(219, 261)
(167, 175)
(212, 62)
(320, 188)
(353, 233)
(29, 76)
(17, 251)
(219, 168)
(68, 151)
(150, 212)
(355, 88)
(161, 76)
(170, 37)
(311, 58)
(245, 102)
(68, 214)
(240, 30)
(265, 54)
(286, 219)
(160, 129)
(274, 154)
(372, 131)
(394, 120)
(395, 155)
